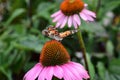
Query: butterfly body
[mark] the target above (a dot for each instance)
(53, 33)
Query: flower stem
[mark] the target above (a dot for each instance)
(98, 6)
(30, 13)
(83, 49)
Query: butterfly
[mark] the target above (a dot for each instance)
(53, 33)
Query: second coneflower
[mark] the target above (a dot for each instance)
(55, 64)
(70, 12)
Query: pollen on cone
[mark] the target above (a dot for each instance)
(54, 53)
(69, 7)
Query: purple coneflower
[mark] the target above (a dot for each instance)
(70, 13)
(55, 63)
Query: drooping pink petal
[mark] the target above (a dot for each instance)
(57, 18)
(77, 19)
(64, 22)
(75, 24)
(82, 72)
(49, 74)
(69, 21)
(74, 72)
(83, 16)
(89, 12)
(58, 72)
(67, 74)
(60, 21)
(89, 18)
(56, 14)
(57, 25)
(42, 75)
(33, 73)
(74, 63)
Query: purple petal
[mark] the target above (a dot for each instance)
(89, 12)
(49, 74)
(60, 21)
(57, 18)
(83, 16)
(77, 19)
(89, 18)
(57, 25)
(74, 63)
(75, 24)
(74, 72)
(58, 72)
(82, 72)
(67, 74)
(64, 22)
(56, 13)
(42, 74)
(70, 21)
(33, 73)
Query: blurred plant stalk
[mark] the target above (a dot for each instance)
(3, 4)
(98, 6)
(29, 4)
(83, 49)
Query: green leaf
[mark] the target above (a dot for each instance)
(30, 42)
(28, 66)
(111, 5)
(109, 47)
(91, 68)
(43, 10)
(101, 70)
(18, 29)
(95, 28)
(15, 14)
(20, 59)
(115, 66)
(7, 73)
(113, 72)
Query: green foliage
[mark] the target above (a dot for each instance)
(112, 73)
(21, 37)
(91, 68)
(14, 15)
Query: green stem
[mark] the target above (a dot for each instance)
(83, 49)
(30, 13)
(98, 6)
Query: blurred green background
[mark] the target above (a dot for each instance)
(21, 23)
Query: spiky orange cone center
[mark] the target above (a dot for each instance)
(70, 7)
(54, 53)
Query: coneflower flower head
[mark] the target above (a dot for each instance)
(54, 53)
(70, 12)
(55, 63)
